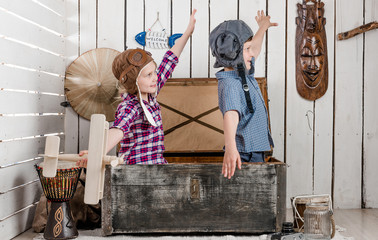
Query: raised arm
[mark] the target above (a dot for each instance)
(181, 42)
(264, 23)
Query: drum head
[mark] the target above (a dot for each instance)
(63, 165)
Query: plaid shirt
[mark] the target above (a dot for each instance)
(143, 143)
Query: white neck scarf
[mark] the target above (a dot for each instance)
(147, 113)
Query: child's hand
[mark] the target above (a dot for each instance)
(264, 21)
(231, 158)
(180, 43)
(192, 22)
(82, 163)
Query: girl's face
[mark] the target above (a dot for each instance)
(248, 54)
(147, 79)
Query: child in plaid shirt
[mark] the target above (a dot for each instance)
(138, 125)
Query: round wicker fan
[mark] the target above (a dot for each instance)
(90, 85)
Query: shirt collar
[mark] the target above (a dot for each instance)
(222, 75)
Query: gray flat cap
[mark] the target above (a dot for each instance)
(226, 42)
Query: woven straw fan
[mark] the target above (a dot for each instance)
(90, 85)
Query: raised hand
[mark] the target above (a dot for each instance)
(181, 42)
(192, 22)
(264, 21)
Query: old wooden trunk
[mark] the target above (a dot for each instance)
(190, 194)
(194, 198)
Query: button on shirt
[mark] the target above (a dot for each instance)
(252, 134)
(143, 143)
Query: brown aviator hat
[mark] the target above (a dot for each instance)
(127, 65)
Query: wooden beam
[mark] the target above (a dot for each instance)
(358, 30)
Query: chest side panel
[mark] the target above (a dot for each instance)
(193, 198)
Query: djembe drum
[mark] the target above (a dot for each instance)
(59, 190)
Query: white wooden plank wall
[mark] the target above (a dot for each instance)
(72, 51)
(323, 116)
(182, 10)
(328, 144)
(299, 121)
(348, 107)
(200, 54)
(32, 70)
(114, 36)
(370, 140)
(88, 40)
(276, 68)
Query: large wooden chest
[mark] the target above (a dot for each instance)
(190, 194)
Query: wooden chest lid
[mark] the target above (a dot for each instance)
(192, 120)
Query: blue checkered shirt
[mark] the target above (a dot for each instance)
(252, 134)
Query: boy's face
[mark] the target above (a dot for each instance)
(147, 79)
(248, 54)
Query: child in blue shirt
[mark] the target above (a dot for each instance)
(245, 117)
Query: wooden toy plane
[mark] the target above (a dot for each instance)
(97, 158)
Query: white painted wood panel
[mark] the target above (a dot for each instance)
(200, 41)
(32, 43)
(88, 41)
(247, 12)
(71, 120)
(276, 76)
(83, 133)
(309, 163)
(180, 18)
(35, 13)
(10, 150)
(17, 175)
(152, 7)
(72, 31)
(15, 78)
(37, 59)
(134, 22)
(19, 198)
(88, 23)
(322, 178)
(348, 111)
(220, 11)
(111, 24)
(370, 108)
(27, 126)
(298, 133)
(114, 37)
(30, 34)
(18, 223)
(56, 6)
(19, 102)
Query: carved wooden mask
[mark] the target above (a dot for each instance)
(311, 50)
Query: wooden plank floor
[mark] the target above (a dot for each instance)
(361, 224)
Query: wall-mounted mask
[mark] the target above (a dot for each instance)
(311, 50)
